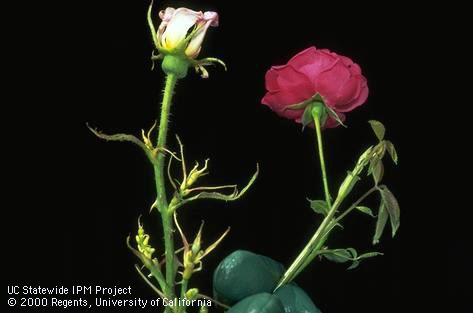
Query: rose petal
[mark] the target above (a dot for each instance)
(272, 100)
(210, 19)
(181, 21)
(293, 81)
(360, 99)
(304, 54)
(354, 68)
(346, 60)
(329, 82)
(287, 87)
(311, 62)
(285, 98)
(213, 17)
(165, 16)
(346, 94)
(271, 80)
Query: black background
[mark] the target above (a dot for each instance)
(77, 198)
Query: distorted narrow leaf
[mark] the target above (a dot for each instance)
(338, 255)
(380, 223)
(391, 150)
(357, 260)
(378, 129)
(369, 255)
(353, 252)
(392, 206)
(378, 172)
(365, 210)
(353, 265)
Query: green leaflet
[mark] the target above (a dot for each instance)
(380, 223)
(338, 255)
(392, 207)
(378, 129)
(378, 172)
(391, 150)
(319, 206)
(365, 210)
(348, 254)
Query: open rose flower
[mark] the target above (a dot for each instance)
(184, 29)
(315, 71)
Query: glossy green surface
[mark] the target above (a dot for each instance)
(295, 300)
(259, 303)
(244, 273)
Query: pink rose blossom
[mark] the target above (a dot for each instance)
(334, 77)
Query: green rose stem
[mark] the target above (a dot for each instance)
(184, 285)
(331, 225)
(161, 199)
(317, 112)
(318, 239)
(315, 243)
